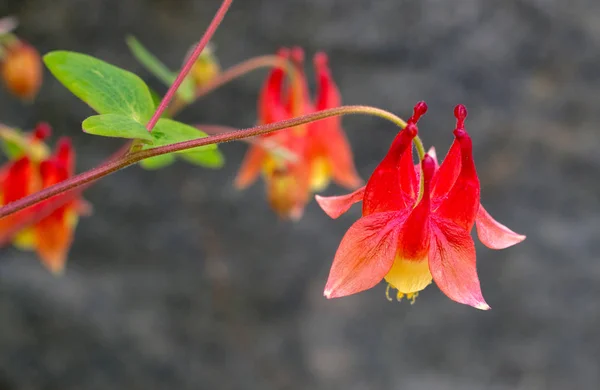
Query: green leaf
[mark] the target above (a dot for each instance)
(207, 158)
(160, 70)
(113, 125)
(158, 162)
(104, 87)
(155, 98)
(168, 131)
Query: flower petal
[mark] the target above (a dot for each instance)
(384, 190)
(20, 179)
(433, 154)
(270, 104)
(462, 202)
(493, 234)
(65, 154)
(298, 97)
(447, 173)
(288, 190)
(334, 206)
(251, 166)
(327, 134)
(54, 233)
(452, 264)
(365, 255)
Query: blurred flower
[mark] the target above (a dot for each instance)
(411, 236)
(21, 69)
(320, 149)
(206, 68)
(47, 227)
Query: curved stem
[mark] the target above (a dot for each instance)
(189, 63)
(132, 158)
(273, 147)
(228, 75)
(419, 146)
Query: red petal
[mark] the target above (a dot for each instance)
(334, 206)
(366, 254)
(446, 174)
(493, 234)
(298, 99)
(66, 154)
(17, 181)
(409, 179)
(41, 131)
(384, 190)
(414, 239)
(20, 179)
(54, 234)
(452, 264)
(327, 137)
(462, 202)
(251, 166)
(270, 103)
(433, 154)
(54, 237)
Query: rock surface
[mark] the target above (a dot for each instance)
(180, 282)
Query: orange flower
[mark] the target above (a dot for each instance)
(21, 70)
(44, 228)
(320, 150)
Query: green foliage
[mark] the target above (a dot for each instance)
(207, 159)
(104, 87)
(160, 70)
(154, 163)
(168, 131)
(126, 104)
(115, 125)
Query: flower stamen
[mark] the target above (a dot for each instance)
(411, 297)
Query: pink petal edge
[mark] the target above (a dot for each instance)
(452, 265)
(493, 234)
(334, 206)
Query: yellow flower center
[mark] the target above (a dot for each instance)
(408, 276)
(320, 174)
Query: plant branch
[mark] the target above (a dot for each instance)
(134, 157)
(230, 74)
(189, 63)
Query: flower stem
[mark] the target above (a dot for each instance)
(228, 75)
(134, 157)
(189, 63)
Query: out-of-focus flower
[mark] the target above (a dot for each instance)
(21, 69)
(409, 236)
(45, 228)
(320, 150)
(206, 68)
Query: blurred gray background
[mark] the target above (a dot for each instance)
(180, 282)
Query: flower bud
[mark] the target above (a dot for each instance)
(205, 68)
(21, 70)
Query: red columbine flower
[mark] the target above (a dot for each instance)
(410, 241)
(51, 233)
(21, 70)
(319, 150)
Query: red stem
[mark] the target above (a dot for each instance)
(134, 157)
(210, 31)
